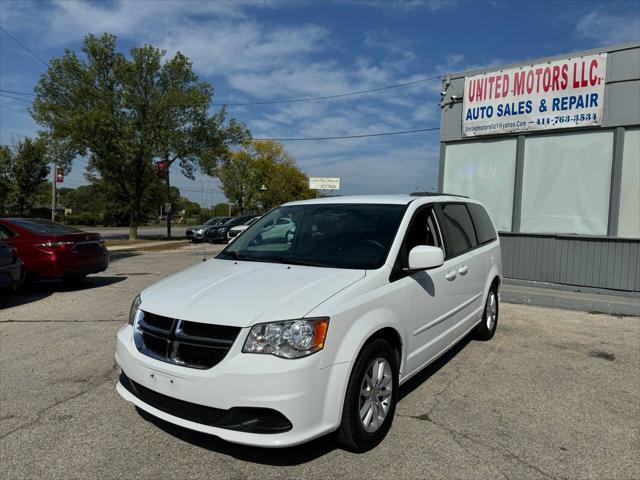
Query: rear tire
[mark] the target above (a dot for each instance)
(371, 398)
(486, 329)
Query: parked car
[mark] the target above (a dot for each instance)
(233, 232)
(196, 234)
(277, 229)
(283, 340)
(51, 250)
(218, 233)
(10, 265)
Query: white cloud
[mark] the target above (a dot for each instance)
(609, 29)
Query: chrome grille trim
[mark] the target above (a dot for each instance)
(164, 339)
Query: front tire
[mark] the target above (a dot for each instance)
(486, 329)
(371, 398)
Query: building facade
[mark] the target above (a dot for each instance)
(552, 148)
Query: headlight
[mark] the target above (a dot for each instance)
(135, 308)
(290, 339)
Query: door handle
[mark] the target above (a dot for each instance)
(463, 269)
(451, 275)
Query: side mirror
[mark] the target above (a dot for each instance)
(424, 256)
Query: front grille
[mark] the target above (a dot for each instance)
(190, 344)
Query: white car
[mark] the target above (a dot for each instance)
(233, 232)
(281, 340)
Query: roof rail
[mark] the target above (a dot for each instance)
(435, 194)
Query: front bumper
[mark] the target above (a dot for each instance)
(195, 234)
(309, 397)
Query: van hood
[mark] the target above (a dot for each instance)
(242, 294)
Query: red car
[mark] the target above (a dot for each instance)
(52, 250)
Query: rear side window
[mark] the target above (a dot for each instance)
(484, 226)
(5, 233)
(460, 235)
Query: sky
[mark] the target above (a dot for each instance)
(261, 50)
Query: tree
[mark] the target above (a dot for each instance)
(5, 176)
(24, 172)
(240, 179)
(122, 113)
(261, 175)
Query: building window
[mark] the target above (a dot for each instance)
(629, 214)
(566, 183)
(484, 171)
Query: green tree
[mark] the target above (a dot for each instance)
(24, 173)
(122, 113)
(261, 175)
(5, 176)
(240, 179)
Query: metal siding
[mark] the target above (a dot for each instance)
(617, 98)
(601, 262)
(623, 65)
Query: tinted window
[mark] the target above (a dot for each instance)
(422, 231)
(5, 233)
(482, 222)
(43, 227)
(458, 229)
(327, 235)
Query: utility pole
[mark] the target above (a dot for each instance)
(54, 179)
(168, 205)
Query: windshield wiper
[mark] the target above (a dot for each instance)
(293, 261)
(235, 255)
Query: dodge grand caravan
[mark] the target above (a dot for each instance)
(282, 339)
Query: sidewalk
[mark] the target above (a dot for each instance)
(145, 245)
(566, 297)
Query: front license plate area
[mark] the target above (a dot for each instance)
(162, 383)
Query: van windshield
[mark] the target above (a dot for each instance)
(355, 236)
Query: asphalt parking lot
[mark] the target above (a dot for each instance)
(556, 394)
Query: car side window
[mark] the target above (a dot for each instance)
(459, 232)
(484, 226)
(423, 230)
(5, 233)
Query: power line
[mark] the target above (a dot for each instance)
(328, 97)
(295, 100)
(14, 92)
(15, 98)
(382, 134)
(35, 55)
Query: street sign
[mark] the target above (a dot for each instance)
(324, 183)
(59, 175)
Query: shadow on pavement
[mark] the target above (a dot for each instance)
(44, 288)
(292, 455)
(266, 456)
(121, 255)
(433, 368)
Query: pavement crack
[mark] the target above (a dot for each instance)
(498, 449)
(100, 380)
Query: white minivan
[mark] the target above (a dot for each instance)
(282, 339)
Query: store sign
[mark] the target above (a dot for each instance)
(323, 183)
(562, 94)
